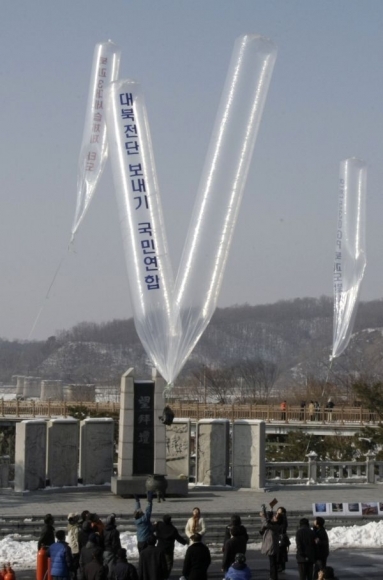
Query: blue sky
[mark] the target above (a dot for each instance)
(324, 105)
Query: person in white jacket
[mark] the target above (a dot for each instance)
(195, 524)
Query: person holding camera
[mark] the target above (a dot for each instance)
(271, 530)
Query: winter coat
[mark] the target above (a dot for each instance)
(144, 526)
(236, 545)
(72, 536)
(111, 539)
(238, 572)
(61, 559)
(167, 534)
(200, 529)
(311, 409)
(83, 534)
(95, 571)
(322, 549)
(152, 564)
(124, 571)
(305, 539)
(86, 556)
(228, 534)
(197, 561)
(47, 536)
(270, 538)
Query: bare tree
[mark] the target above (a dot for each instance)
(258, 377)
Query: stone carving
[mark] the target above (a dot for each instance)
(178, 448)
(96, 451)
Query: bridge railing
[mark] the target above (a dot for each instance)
(313, 471)
(193, 410)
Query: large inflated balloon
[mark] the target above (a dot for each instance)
(350, 252)
(147, 258)
(94, 147)
(220, 190)
(171, 318)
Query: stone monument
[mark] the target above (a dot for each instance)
(96, 451)
(212, 451)
(249, 454)
(62, 457)
(178, 448)
(30, 455)
(142, 440)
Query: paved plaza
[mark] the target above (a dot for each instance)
(210, 500)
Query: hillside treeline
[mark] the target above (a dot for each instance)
(290, 339)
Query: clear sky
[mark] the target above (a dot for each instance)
(325, 104)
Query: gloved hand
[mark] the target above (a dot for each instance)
(150, 496)
(136, 497)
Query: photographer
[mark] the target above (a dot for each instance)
(271, 529)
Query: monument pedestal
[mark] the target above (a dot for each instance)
(142, 437)
(135, 484)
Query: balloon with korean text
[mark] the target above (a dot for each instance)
(350, 252)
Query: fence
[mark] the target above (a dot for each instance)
(313, 471)
(267, 413)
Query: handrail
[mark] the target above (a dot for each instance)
(233, 411)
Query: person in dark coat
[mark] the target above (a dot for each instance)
(111, 542)
(271, 530)
(235, 520)
(85, 530)
(284, 541)
(142, 521)
(86, 554)
(152, 563)
(236, 545)
(167, 534)
(197, 559)
(95, 570)
(239, 570)
(47, 535)
(61, 557)
(322, 549)
(305, 554)
(123, 570)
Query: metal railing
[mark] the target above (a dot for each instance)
(268, 413)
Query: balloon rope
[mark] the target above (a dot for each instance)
(50, 288)
(167, 390)
(328, 374)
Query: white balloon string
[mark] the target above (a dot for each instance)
(48, 293)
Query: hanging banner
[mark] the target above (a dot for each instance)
(94, 147)
(350, 252)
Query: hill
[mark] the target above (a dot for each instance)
(292, 338)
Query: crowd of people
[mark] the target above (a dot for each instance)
(90, 549)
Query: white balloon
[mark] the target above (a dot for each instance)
(94, 147)
(350, 252)
(170, 319)
(150, 273)
(221, 187)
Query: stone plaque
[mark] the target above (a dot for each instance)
(143, 434)
(178, 448)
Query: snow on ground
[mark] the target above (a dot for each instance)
(23, 554)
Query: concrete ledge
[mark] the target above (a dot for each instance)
(129, 486)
